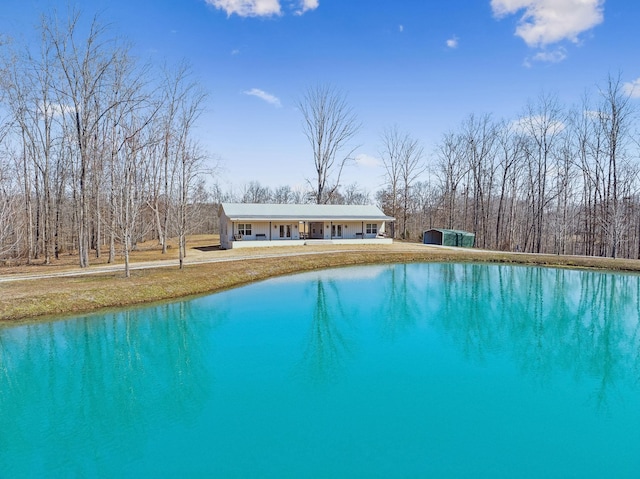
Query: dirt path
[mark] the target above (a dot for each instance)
(196, 256)
(39, 291)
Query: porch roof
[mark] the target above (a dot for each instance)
(310, 212)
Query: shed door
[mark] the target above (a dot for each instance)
(433, 237)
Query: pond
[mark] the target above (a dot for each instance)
(419, 370)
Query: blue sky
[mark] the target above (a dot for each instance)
(421, 65)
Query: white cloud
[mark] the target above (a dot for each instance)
(549, 21)
(248, 8)
(592, 114)
(307, 5)
(534, 124)
(553, 56)
(260, 8)
(401, 28)
(55, 109)
(452, 42)
(367, 161)
(263, 95)
(632, 88)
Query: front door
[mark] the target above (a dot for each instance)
(316, 230)
(285, 231)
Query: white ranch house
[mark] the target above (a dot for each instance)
(244, 225)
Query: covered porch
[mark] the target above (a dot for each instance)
(247, 225)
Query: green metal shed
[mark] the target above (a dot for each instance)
(448, 237)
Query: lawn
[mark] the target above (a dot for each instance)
(44, 298)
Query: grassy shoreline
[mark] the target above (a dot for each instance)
(53, 298)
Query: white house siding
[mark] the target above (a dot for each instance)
(259, 230)
(293, 228)
(358, 229)
(339, 224)
(224, 239)
(351, 230)
(266, 244)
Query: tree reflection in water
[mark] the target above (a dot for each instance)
(361, 326)
(401, 308)
(546, 319)
(326, 346)
(148, 363)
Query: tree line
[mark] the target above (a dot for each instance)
(555, 180)
(98, 152)
(97, 147)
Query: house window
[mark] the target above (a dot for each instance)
(244, 229)
(372, 228)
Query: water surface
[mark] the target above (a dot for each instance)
(421, 370)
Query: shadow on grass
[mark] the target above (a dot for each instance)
(208, 248)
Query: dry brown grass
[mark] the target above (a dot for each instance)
(148, 251)
(41, 298)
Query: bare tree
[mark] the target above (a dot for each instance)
(86, 66)
(543, 124)
(299, 195)
(510, 145)
(613, 117)
(132, 112)
(329, 124)
(391, 159)
(127, 150)
(130, 169)
(411, 167)
(425, 200)
(179, 107)
(254, 192)
(479, 134)
(354, 195)
(83, 152)
(402, 157)
(563, 190)
(586, 135)
(283, 195)
(451, 169)
(28, 81)
(184, 104)
(174, 91)
(10, 231)
(191, 166)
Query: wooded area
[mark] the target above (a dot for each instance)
(97, 148)
(555, 180)
(98, 152)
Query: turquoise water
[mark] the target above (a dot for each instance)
(421, 370)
